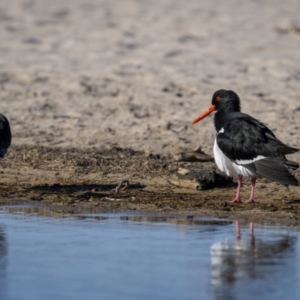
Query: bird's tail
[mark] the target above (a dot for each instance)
(291, 165)
(276, 169)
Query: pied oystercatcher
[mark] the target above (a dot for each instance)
(245, 147)
(5, 135)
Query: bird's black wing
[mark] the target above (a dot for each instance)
(245, 138)
(249, 143)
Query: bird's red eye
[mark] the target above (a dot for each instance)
(218, 98)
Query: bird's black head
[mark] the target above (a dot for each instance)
(227, 100)
(222, 101)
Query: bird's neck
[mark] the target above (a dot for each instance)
(222, 117)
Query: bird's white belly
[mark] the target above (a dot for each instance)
(227, 166)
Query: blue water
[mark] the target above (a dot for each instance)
(130, 257)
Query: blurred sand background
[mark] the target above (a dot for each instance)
(134, 73)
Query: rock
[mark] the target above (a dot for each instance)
(199, 179)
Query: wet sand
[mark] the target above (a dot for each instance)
(93, 88)
(72, 180)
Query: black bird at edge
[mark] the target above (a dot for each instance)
(5, 135)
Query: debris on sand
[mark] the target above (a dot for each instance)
(199, 179)
(193, 155)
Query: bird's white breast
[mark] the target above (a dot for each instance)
(226, 165)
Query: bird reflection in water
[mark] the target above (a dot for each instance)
(236, 263)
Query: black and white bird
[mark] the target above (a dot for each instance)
(245, 147)
(5, 135)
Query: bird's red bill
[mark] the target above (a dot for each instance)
(205, 114)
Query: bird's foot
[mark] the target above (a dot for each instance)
(250, 200)
(236, 200)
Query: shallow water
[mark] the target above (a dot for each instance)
(123, 256)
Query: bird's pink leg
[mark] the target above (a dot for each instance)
(237, 198)
(251, 199)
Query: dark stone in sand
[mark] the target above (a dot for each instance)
(199, 179)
